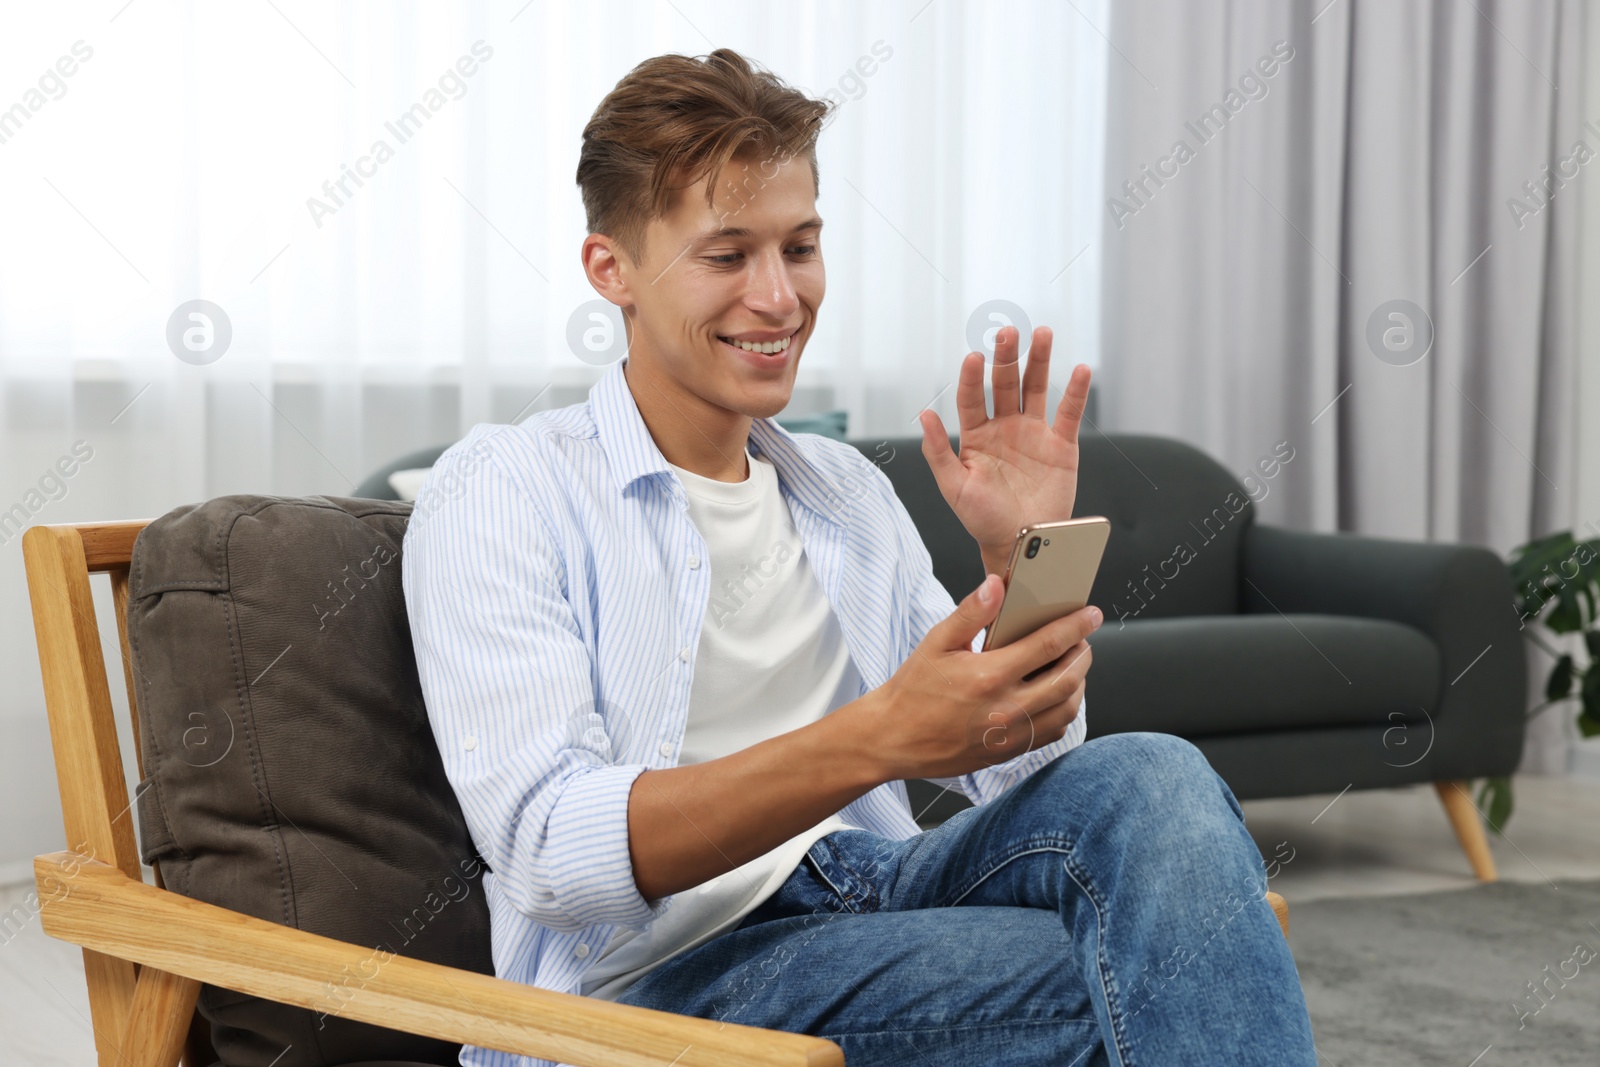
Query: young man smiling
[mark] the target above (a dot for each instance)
(704, 812)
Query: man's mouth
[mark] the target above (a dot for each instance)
(761, 346)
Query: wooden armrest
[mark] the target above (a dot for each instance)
(1280, 908)
(99, 907)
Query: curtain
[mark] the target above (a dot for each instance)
(1367, 251)
(377, 204)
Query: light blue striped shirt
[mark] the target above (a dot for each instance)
(556, 588)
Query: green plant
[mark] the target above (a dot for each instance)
(1557, 588)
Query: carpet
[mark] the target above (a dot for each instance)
(1444, 978)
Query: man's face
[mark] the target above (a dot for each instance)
(748, 270)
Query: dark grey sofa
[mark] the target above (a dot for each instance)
(1298, 663)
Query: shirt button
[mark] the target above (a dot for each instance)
(694, 563)
(683, 653)
(469, 743)
(581, 951)
(666, 749)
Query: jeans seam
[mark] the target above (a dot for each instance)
(1020, 849)
(1037, 1020)
(868, 886)
(1118, 1032)
(848, 899)
(1054, 843)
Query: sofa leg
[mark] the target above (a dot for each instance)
(1280, 908)
(1457, 801)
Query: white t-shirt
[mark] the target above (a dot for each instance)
(771, 659)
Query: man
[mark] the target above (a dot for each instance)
(679, 662)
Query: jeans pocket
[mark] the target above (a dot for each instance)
(802, 893)
(854, 864)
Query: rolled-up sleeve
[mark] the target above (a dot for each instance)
(929, 603)
(508, 681)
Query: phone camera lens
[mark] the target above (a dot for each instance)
(1033, 547)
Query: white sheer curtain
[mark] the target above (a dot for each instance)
(176, 160)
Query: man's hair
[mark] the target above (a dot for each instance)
(674, 119)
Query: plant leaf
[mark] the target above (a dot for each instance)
(1591, 694)
(1567, 616)
(1560, 575)
(1529, 575)
(1495, 801)
(1560, 683)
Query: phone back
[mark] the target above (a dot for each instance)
(1054, 582)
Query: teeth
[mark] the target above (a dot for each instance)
(768, 349)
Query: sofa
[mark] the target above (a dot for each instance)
(1299, 663)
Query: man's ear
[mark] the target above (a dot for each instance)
(603, 263)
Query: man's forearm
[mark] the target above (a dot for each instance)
(687, 825)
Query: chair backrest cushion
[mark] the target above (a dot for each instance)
(1177, 523)
(291, 773)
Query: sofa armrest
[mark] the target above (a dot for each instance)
(100, 908)
(1459, 595)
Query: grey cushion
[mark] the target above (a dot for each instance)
(1231, 673)
(1459, 595)
(1178, 521)
(292, 772)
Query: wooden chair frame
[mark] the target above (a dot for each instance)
(146, 950)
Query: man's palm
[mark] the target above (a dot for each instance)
(1015, 467)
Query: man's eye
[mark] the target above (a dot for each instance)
(728, 259)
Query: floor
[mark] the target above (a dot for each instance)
(1385, 841)
(1351, 845)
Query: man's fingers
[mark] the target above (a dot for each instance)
(942, 459)
(1007, 354)
(1053, 698)
(1051, 641)
(1067, 672)
(971, 407)
(1036, 379)
(1074, 399)
(976, 610)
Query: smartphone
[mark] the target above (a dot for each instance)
(1050, 573)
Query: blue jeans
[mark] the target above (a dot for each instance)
(1109, 909)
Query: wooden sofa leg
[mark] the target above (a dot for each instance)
(158, 1022)
(1457, 801)
(1280, 908)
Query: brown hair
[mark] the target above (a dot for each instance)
(675, 119)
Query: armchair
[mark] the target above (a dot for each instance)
(147, 950)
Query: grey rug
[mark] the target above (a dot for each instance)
(1442, 978)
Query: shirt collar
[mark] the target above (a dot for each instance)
(633, 453)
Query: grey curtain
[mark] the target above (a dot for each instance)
(1301, 196)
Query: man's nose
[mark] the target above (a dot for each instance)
(771, 289)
